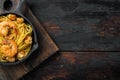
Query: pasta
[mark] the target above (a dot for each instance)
(15, 38)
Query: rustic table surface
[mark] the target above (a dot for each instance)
(87, 33)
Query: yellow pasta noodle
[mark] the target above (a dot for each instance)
(15, 38)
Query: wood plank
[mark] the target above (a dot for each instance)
(77, 25)
(78, 66)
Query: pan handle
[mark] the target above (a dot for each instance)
(13, 6)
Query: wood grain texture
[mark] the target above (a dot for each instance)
(78, 66)
(74, 25)
(80, 25)
(46, 47)
(77, 25)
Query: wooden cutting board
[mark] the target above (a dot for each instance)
(46, 47)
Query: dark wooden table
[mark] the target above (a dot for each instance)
(87, 33)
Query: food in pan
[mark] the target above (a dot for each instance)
(15, 38)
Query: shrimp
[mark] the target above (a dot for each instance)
(10, 24)
(20, 20)
(12, 17)
(7, 59)
(10, 59)
(3, 30)
(28, 40)
(9, 48)
(20, 55)
(5, 26)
